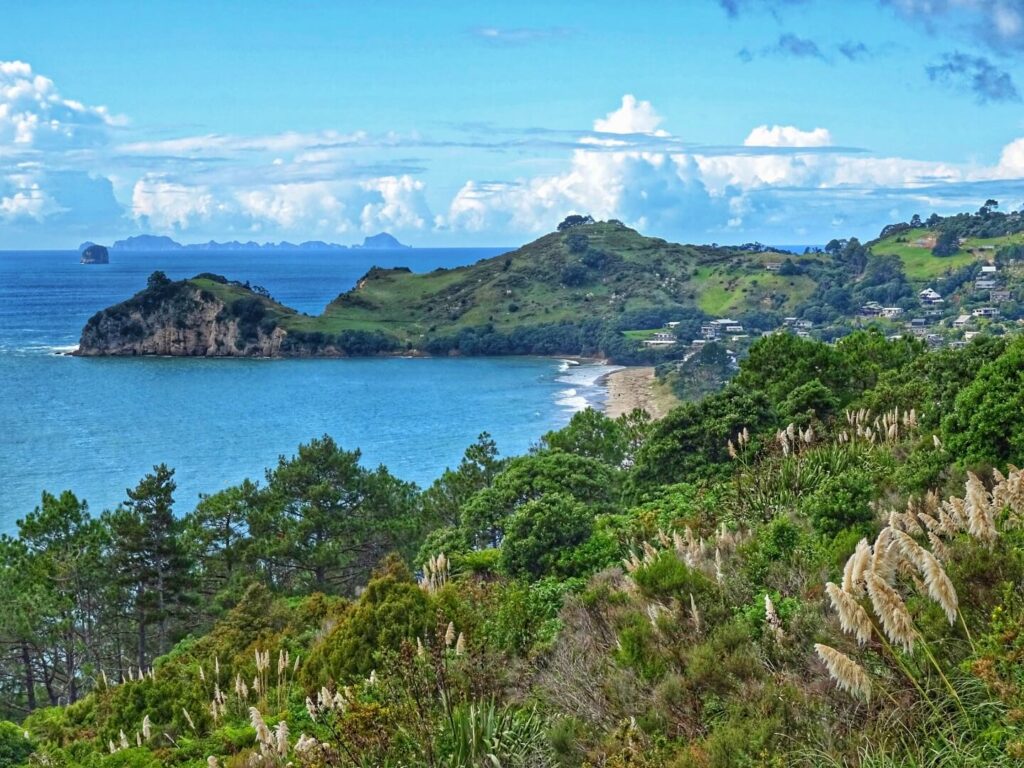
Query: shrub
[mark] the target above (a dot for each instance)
(541, 534)
(840, 502)
(15, 745)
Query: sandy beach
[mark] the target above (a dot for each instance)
(635, 387)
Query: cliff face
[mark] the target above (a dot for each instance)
(179, 319)
(95, 254)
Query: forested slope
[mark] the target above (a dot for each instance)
(820, 564)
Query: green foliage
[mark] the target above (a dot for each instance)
(592, 434)
(841, 501)
(541, 536)
(811, 400)
(324, 520)
(15, 745)
(565, 659)
(391, 610)
(486, 734)
(987, 421)
(527, 478)
(690, 443)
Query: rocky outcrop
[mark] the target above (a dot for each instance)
(210, 316)
(180, 319)
(95, 254)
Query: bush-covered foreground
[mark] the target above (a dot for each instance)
(821, 565)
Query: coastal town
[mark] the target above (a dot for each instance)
(988, 302)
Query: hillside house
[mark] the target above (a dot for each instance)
(1000, 296)
(986, 312)
(660, 339)
(871, 309)
(929, 297)
(962, 321)
(892, 311)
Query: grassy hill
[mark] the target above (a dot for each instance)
(581, 290)
(976, 237)
(914, 248)
(574, 291)
(598, 271)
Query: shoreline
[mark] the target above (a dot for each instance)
(634, 387)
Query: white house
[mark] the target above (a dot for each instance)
(660, 340)
(928, 296)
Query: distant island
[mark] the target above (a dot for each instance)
(381, 242)
(91, 253)
(602, 289)
(162, 244)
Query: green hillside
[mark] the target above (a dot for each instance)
(977, 236)
(583, 290)
(598, 270)
(821, 564)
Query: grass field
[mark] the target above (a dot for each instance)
(921, 266)
(722, 292)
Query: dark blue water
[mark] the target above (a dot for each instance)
(95, 426)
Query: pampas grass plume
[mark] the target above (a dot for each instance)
(890, 608)
(852, 617)
(848, 674)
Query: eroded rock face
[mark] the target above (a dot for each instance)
(182, 320)
(95, 254)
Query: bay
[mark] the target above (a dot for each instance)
(96, 425)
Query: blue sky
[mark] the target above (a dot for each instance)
(450, 123)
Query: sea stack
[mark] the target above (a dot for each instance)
(95, 254)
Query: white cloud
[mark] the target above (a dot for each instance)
(314, 206)
(27, 201)
(34, 116)
(787, 136)
(689, 195)
(402, 204)
(632, 116)
(165, 205)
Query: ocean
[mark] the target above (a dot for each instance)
(96, 426)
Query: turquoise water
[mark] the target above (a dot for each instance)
(95, 426)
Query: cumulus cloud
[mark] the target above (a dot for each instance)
(632, 116)
(974, 74)
(797, 182)
(34, 116)
(162, 204)
(402, 204)
(787, 136)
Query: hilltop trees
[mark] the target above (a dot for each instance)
(987, 422)
(323, 520)
(150, 561)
